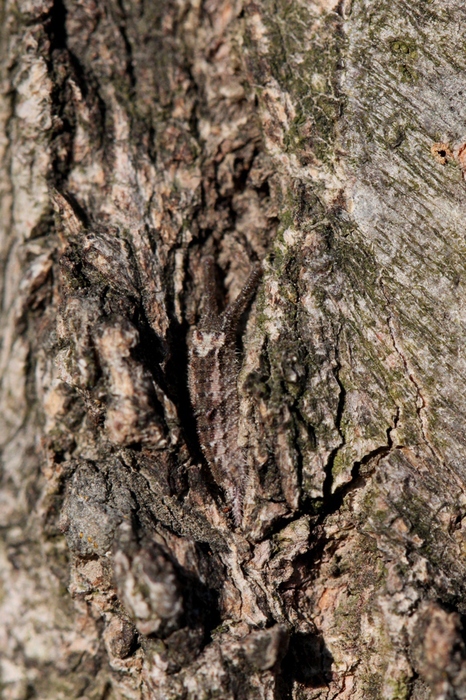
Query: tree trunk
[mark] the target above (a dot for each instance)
(233, 362)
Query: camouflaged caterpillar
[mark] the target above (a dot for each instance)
(213, 374)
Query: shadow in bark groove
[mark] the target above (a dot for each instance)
(308, 662)
(56, 27)
(121, 24)
(202, 602)
(176, 376)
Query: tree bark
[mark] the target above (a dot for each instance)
(214, 487)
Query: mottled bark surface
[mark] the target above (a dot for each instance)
(138, 139)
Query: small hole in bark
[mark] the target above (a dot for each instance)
(441, 152)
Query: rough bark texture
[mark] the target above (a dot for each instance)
(324, 556)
